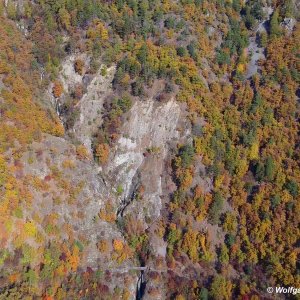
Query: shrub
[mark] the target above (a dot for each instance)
(103, 246)
(181, 51)
(203, 294)
(68, 164)
(270, 169)
(78, 92)
(186, 154)
(192, 50)
(118, 245)
(170, 23)
(82, 152)
(215, 208)
(223, 58)
(102, 153)
(57, 89)
(229, 240)
(125, 103)
(78, 66)
(137, 88)
(292, 188)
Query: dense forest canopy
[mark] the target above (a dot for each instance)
(243, 129)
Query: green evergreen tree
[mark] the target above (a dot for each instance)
(270, 169)
(275, 30)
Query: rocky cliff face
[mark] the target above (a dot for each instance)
(147, 134)
(138, 157)
(69, 196)
(133, 182)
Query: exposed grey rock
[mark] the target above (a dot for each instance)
(257, 53)
(148, 126)
(90, 107)
(288, 24)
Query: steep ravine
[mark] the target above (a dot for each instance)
(136, 160)
(146, 134)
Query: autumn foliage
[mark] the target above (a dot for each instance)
(232, 209)
(102, 153)
(57, 89)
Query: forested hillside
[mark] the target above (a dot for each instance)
(149, 149)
